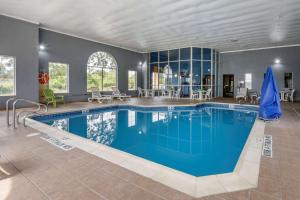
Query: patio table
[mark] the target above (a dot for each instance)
(201, 94)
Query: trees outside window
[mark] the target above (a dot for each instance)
(7, 76)
(101, 72)
(59, 80)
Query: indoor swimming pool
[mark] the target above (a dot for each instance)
(199, 140)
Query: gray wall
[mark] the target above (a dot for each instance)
(20, 39)
(75, 52)
(256, 62)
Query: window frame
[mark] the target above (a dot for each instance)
(135, 81)
(102, 69)
(67, 81)
(15, 78)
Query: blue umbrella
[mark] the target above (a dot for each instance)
(269, 107)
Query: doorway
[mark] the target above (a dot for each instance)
(228, 85)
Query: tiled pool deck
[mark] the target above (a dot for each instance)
(31, 168)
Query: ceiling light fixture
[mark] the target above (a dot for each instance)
(42, 47)
(277, 61)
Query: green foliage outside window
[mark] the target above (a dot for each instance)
(7, 76)
(58, 73)
(101, 71)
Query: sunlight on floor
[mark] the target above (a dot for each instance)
(5, 185)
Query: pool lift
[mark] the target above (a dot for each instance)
(40, 109)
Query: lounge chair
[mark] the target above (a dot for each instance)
(51, 98)
(242, 93)
(117, 94)
(97, 96)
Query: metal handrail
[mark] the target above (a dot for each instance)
(30, 112)
(7, 110)
(26, 101)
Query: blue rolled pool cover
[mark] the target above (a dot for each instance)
(269, 108)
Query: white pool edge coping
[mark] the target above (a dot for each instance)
(244, 176)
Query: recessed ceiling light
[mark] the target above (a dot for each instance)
(277, 61)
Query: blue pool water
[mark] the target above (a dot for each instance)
(200, 140)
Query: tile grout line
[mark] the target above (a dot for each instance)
(86, 186)
(34, 184)
(267, 194)
(91, 189)
(107, 172)
(140, 186)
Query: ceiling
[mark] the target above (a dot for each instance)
(147, 25)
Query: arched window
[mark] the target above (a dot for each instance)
(101, 71)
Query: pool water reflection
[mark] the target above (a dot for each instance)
(199, 141)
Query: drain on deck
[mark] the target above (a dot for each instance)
(267, 146)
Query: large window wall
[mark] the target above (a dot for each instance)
(189, 68)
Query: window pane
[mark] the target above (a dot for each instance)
(109, 79)
(153, 57)
(7, 75)
(174, 70)
(185, 77)
(185, 54)
(196, 53)
(206, 76)
(206, 54)
(94, 78)
(101, 71)
(196, 75)
(248, 81)
(174, 55)
(58, 73)
(163, 70)
(132, 79)
(154, 75)
(163, 56)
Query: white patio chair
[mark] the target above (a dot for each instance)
(207, 94)
(165, 93)
(290, 95)
(195, 94)
(97, 96)
(242, 93)
(140, 92)
(151, 93)
(176, 94)
(253, 97)
(117, 94)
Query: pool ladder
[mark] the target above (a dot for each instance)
(25, 113)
